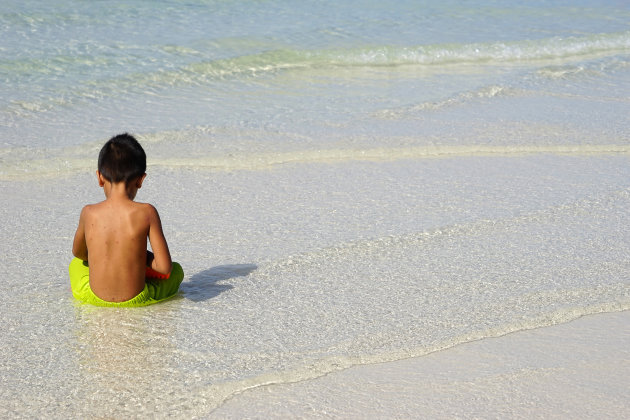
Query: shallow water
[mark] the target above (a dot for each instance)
(541, 373)
(342, 185)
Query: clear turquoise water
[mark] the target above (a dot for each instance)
(343, 184)
(74, 72)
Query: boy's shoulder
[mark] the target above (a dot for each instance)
(90, 208)
(126, 206)
(144, 206)
(145, 209)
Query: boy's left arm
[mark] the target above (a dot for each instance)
(160, 259)
(79, 246)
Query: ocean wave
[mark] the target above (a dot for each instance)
(557, 48)
(482, 53)
(556, 51)
(215, 395)
(18, 163)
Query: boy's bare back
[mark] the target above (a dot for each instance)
(115, 232)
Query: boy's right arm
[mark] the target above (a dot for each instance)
(79, 245)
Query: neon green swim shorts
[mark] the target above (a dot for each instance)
(155, 290)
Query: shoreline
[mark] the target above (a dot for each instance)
(580, 369)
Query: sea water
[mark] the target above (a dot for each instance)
(344, 183)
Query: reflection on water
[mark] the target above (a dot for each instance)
(126, 357)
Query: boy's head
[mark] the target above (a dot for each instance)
(122, 159)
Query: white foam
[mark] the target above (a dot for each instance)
(68, 161)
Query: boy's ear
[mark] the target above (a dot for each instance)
(101, 179)
(140, 180)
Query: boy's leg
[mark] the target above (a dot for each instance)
(160, 289)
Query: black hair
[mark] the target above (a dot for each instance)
(122, 159)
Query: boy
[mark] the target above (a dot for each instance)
(121, 272)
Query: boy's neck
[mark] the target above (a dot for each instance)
(119, 191)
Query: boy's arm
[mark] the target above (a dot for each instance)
(79, 246)
(161, 257)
